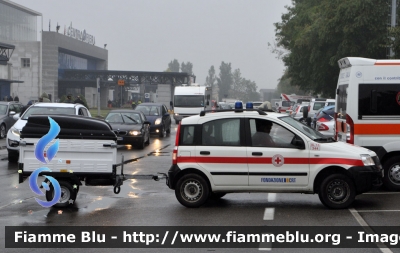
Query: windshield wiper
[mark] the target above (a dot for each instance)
(327, 139)
(131, 119)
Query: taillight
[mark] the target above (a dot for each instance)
(349, 128)
(175, 152)
(322, 119)
(323, 127)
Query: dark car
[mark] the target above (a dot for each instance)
(131, 127)
(7, 111)
(326, 114)
(158, 116)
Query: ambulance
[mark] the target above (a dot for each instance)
(367, 110)
(287, 101)
(224, 151)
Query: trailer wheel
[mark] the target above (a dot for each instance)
(68, 194)
(192, 190)
(391, 180)
(337, 191)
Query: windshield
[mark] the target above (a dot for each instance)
(123, 117)
(149, 110)
(311, 133)
(3, 109)
(189, 101)
(48, 111)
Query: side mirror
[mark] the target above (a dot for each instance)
(16, 116)
(147, 123)
(298, 143)
(11, 113)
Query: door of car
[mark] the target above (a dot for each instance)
(280, 164)
(222, 151)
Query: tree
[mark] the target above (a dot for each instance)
(317, 33)
(211, 79)
(173, 66)
(285, 86)
(224, 80)
(187, 67)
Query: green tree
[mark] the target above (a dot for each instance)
(317, 33)
(224, 80)
(211, 79)
(173, 66)
(187, 67)
(287, 87)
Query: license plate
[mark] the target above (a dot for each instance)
(119, 138)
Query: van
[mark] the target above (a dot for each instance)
(367, 111)
(318, 103)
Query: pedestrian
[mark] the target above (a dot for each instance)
(78, 100)
(171, 105)
(45, 97)
(69, 99)
(16, 98)
(139, 102)
(133, 104)
(10, 98)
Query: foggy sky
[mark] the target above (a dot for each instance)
(145, 35)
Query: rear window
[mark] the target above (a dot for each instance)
(149, 110)
(318, 105)
(286, 103)
(379, 100)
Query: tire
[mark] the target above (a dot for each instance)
(13, 156)
(161, 134)
(67, 194)
(192, 190)
(337, 191)
(3, 132)
(216, 195)
(391, 180)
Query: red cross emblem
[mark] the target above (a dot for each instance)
(278, 160)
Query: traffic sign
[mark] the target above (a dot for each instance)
(121, 82)
(146, 95)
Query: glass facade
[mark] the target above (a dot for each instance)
(68, 61)
(16, 25)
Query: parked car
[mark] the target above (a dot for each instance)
(7, 112)
(158, 116)
(326, 127)
(131, 127)
(224, 106)
(257, 104)
(318, 103)
(323, 114)
(297, 112)
(13, 135)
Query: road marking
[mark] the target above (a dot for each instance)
(368, 229)
(271, 197)
(269, 213)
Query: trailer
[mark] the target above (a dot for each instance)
(86, 154)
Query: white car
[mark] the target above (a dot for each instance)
(214, 155)
(326, 128)
(13, 135)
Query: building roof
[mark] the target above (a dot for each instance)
(20, 7)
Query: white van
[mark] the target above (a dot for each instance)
(367, 110)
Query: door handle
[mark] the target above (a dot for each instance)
(257, 153)
(204, 152)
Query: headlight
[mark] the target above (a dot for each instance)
(134, 132)
(158, 121)
(367, 160)
(176, 114)
(15, 131)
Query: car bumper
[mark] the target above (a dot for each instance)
(156, 129)
(172, 176)
(121, 140)
(366, 178)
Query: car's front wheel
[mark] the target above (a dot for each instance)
(337, 191)
(192, 190)
(391, 180)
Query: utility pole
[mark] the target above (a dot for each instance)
(393, 21)
(98, 96)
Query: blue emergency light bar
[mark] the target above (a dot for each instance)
(238, 105)
(249, 105)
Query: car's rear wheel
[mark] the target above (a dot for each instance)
(3, 133)
(192, 190)
(337, 191)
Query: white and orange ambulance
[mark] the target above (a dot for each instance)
(368, 110)
(256, 151)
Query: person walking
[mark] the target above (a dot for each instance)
(133, 104)
(69, 99)
(16, 98)
(78, 100)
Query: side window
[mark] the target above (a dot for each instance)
(80, 112)
(265, 133)
(85, 112)
(187, 136)
(223, 132)
(379, 100)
